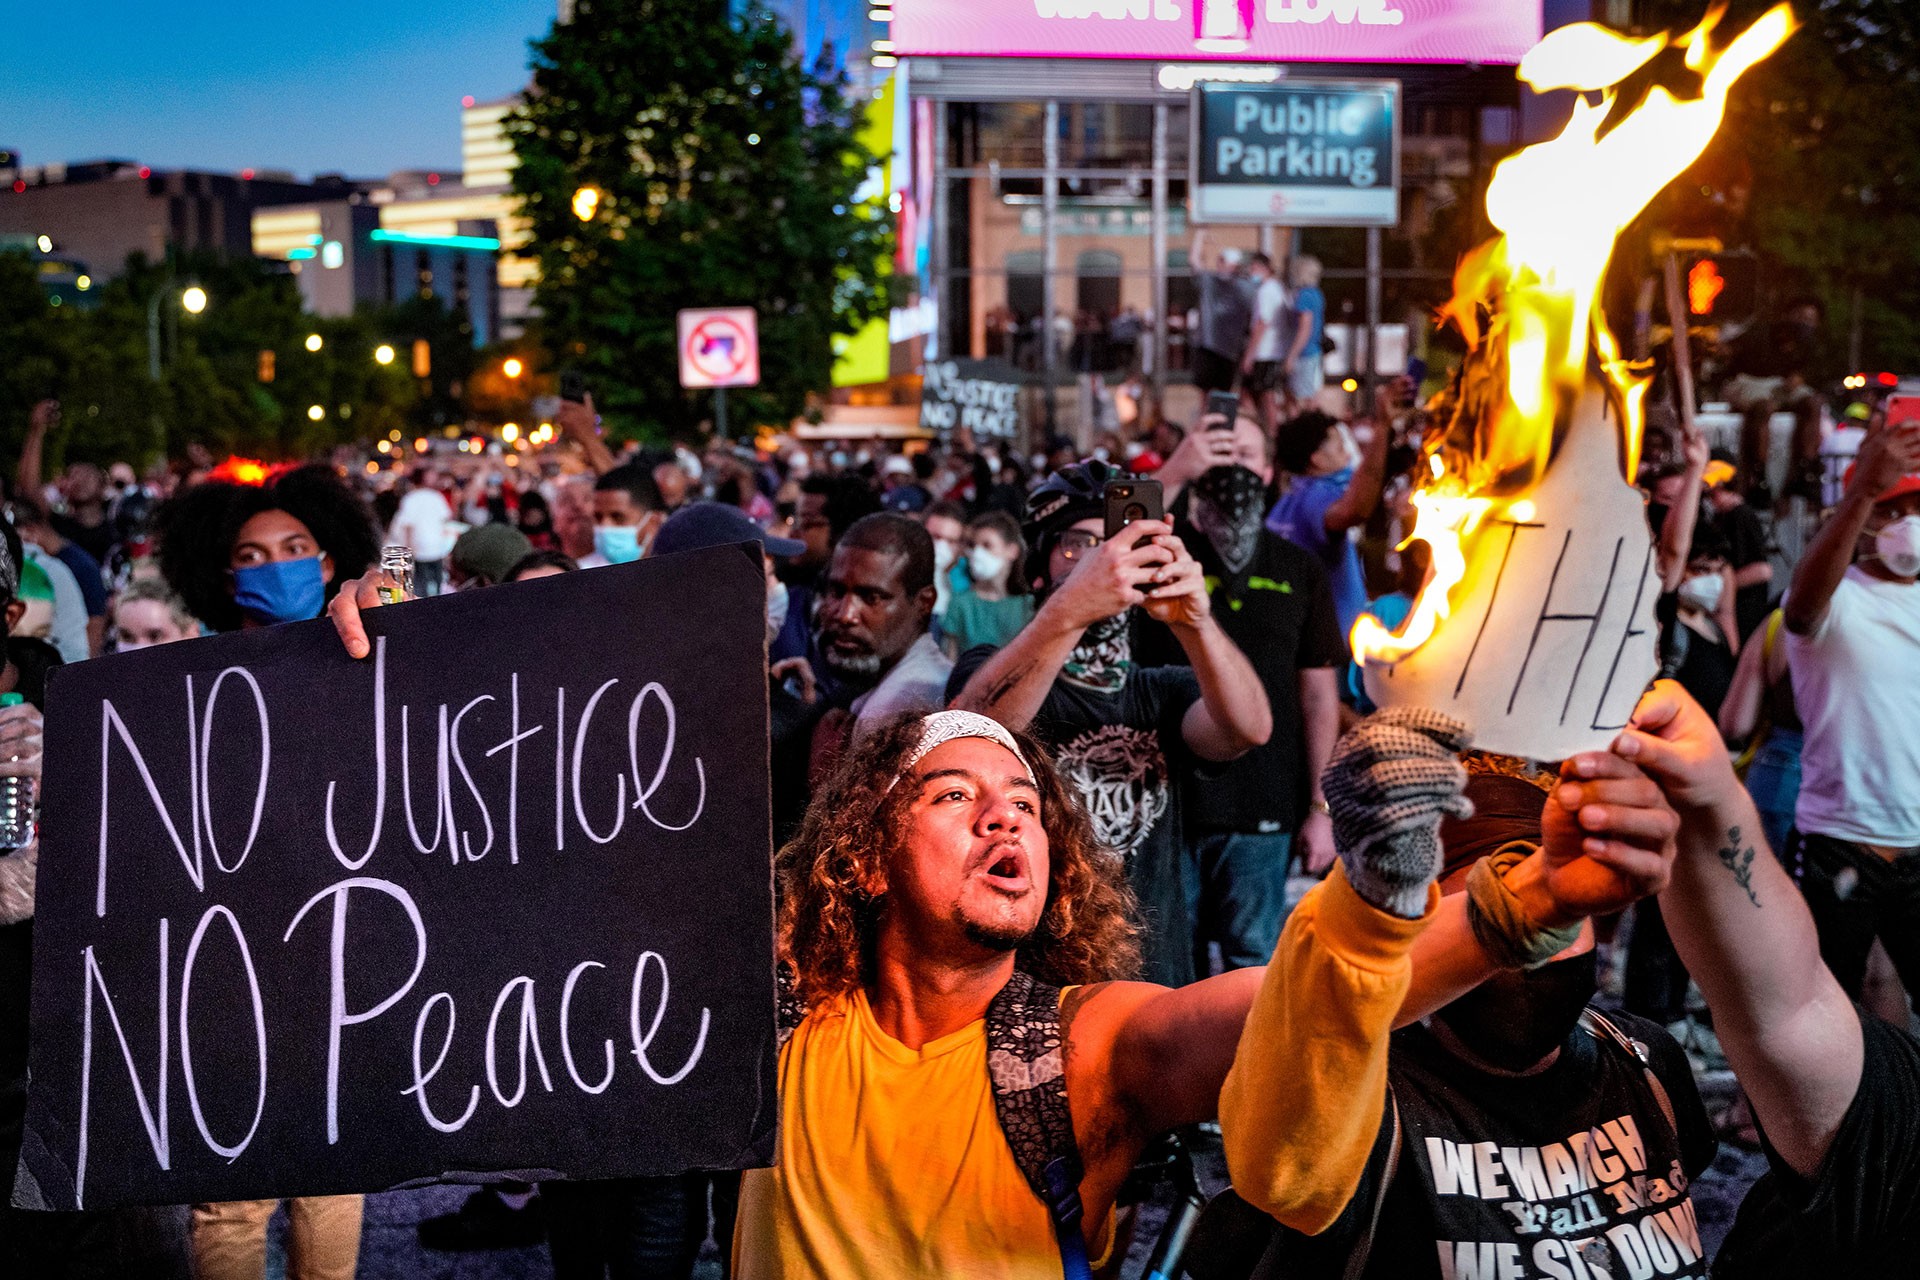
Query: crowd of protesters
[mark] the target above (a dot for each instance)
(1125, 759)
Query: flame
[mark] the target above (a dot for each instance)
(1527, 301)
(247, 471)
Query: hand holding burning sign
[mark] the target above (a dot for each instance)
(1536, 625)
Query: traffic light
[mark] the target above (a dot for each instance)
(1723, 288)
(266, 366)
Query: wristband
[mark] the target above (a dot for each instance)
(1501, 924)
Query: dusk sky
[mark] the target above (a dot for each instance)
(347, 86)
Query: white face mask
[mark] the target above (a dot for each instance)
(986, 565)
(1898, 546)
(1703, 592)
(777, 602)
(944, 552)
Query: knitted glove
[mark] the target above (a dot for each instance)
(1392, 778)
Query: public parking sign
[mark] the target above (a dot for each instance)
(719, 347)
(1302, 152)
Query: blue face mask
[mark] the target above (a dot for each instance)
(619, 543)
(281, 590)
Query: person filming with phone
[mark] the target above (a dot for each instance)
(1122, 733)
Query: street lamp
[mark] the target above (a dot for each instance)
(512, 367)
(315, 412)
(313, 342)
(383, 354)
(193, 300)
(585, 201)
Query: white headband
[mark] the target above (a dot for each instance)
(946, 726)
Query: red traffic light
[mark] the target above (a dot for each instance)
(1704, 286)
(1887, 380)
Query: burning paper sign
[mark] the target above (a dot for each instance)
(1536, 624)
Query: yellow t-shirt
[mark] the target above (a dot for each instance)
(892, 1164)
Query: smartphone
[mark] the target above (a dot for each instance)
(1902, 409)
(1222, 404)
(1131, 500)
(573, 386)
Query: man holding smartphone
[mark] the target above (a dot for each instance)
(1122, 732)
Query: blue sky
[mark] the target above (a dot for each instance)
(354, 86)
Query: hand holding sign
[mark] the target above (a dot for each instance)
(311, 925)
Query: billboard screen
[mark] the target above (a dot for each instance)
(1490, 31)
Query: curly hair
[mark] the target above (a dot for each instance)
(828, 919)
(197, 531)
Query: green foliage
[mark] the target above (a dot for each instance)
(1824, 141)
(95, 360)
(727, 175)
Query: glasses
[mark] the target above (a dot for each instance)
(1075, 543)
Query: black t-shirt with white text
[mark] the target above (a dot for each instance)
(1121, 752)
(1570, 1174)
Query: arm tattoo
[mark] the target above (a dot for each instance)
(1069, 1007)
(1739, 860)
(1007, 684)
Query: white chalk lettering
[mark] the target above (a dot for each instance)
(338, 1016)
(459, 762)
(642, 1041)
(154, 1118)
(528, 1035)
(566, 1038)
(379, 766)
(206, 750)
(422, 1078)
(187, 967)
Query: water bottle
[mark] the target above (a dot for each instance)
(16, 800)
(397, 563)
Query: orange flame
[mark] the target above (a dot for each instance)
(1527, 301)
(247, 471)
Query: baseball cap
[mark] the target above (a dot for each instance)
(700, 525)
(490, 550)
(1909, 483)
(897, 465)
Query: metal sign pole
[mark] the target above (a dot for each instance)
(720, 413)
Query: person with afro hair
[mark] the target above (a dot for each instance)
(255, 555)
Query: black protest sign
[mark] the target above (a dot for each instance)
(980, 395)
(498, 898)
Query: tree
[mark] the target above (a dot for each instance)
(1822, 150)
(726, 175)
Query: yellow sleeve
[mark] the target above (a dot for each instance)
(1301, 1106)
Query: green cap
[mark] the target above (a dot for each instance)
(12, 699)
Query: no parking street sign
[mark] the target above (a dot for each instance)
(719, 347)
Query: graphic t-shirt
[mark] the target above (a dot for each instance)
(1859, 1215)
(1279, 611)
(1571, 1174)
(1121, 752)
(1301, 518)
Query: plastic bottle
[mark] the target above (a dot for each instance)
(16, 800)
(397, 563)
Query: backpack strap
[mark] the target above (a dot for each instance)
(1357, 1260)
(788, 1010)
(1028, 1071)
(1602, 1029)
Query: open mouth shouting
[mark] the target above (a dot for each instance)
(1005, 868)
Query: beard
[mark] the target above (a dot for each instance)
(1003, 935)
(861, 666)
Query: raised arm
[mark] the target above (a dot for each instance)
(581, 424)
(1370, 476)
(29, 475)
(1746, 935)
(1676, 532)
(1112, 578)
(1885, 456)
(1232, 716)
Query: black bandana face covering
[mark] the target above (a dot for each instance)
(1102, 658)
(1515, 1019)
(1227, 507)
